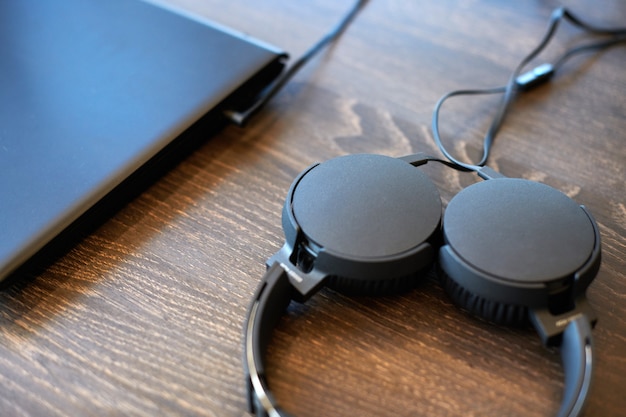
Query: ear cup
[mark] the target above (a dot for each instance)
(513, 244)
(370, 223)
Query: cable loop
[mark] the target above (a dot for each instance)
(527, 81)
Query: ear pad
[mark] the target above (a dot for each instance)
(369, 222)
(513, 244)
(494, 311)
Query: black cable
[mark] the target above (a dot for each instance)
(435, 123)
(596, 46)
(527, 80)
(596, 30)
(241, 117)
(447, 163)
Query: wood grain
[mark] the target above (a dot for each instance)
(144, 316)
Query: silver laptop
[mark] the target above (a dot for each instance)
(94, 94)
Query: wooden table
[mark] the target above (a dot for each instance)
(144, 316)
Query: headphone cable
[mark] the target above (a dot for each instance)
(526, 81)
(240, 118)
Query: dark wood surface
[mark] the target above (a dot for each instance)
(144, 316)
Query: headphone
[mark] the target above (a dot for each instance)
(510, 250)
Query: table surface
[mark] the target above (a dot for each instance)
(144, 316)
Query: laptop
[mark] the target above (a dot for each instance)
(96, 98)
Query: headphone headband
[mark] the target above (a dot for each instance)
(269, 303)
(276, 291)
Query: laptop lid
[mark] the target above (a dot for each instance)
(92, 90)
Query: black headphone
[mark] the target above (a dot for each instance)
(509, 250)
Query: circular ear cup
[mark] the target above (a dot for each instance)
(513, 244)
(369, 222)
